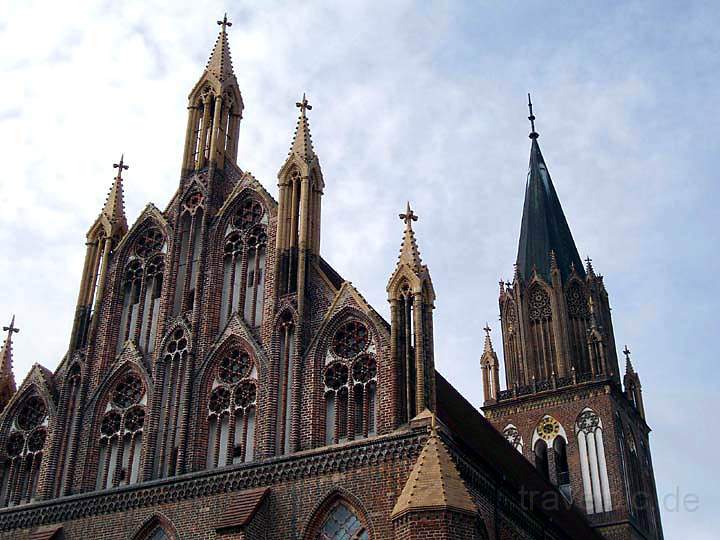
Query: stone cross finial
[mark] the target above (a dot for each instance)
(121, 166)
(588, 260)
(224, 23)
(487, 328)
(303, 105)
(409, 216)
(626, 352)
(12, 328)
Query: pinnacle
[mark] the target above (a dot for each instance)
(6, 367)
(114, 208)
(434, 482)
(220, 62)
(488, 349)
(302, 140)
(409, 252)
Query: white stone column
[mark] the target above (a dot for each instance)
(594, 472)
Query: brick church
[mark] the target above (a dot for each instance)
(223, 381)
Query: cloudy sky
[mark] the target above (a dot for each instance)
(422, 101)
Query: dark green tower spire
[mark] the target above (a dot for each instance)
(544, 227)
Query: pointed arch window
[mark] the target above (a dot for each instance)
(141, 290)
(191, 226)
(244, 260)
(406, 349)
(171, 381)
(350, 385)
(513, 436)
(232, 410)
(550, 449)
(593, 466)
(286, 382)
(24, 447)
(516, 372)
(541, 458)
(342, 523)
(542, 338)
(121, 432)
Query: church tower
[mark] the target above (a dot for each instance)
(564, 407)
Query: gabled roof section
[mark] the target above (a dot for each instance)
(544, 227)
(434, 482)
(242, 509)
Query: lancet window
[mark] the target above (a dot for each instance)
(593, 466)
(171, 378)
(121, 431)
(513, 436)
(71, 398)
(541, 332)
(286, 380)
(232, 410)
(244, 260)
(141, 290)
(24, 452)
(191, 226)
(350, 383)
(515, 371)
(342, 523)
(577, 307)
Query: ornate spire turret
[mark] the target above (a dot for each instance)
(7, 377)
(490, 366)
(215, 109)
(412, 300)
(114, 207)
(302, 146)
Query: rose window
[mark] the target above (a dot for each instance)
(128, 392)
(234, 366)
(36, 441)
(193, 201)
(135, 419)
(577, 303)
(149, 242)
(539, 304)
(233, 244)
(177, 347)
(249, 214)
(364, 369)
(588, 421)
(245, 394)
(219, 399)
(15, 444)
(351, 339)
(134, 271)
(110, 423)
(336, 375)
(32, 414)
(512, 435)
(548, 428)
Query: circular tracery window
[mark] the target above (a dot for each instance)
(32, 413)
(156, 266)
(36, 441)
(336, 375)
(134, 271)
(548, 428)
(150, 241)
(576, 302)
(234, 366)
(129, 391)
(364, 369)
(193, 201)
(177, 346)
(512, 435)
(588, 421)
(539, 304)
(245, 394)
(351, 339)
(249, 214)
(135, 419)
(110, 423)
(15, 444)
(233, 243)
(219, 399)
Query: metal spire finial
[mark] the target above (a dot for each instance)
(626, 352)
(121, 166)
(533, 133)
(224, 23)
(487, 327)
